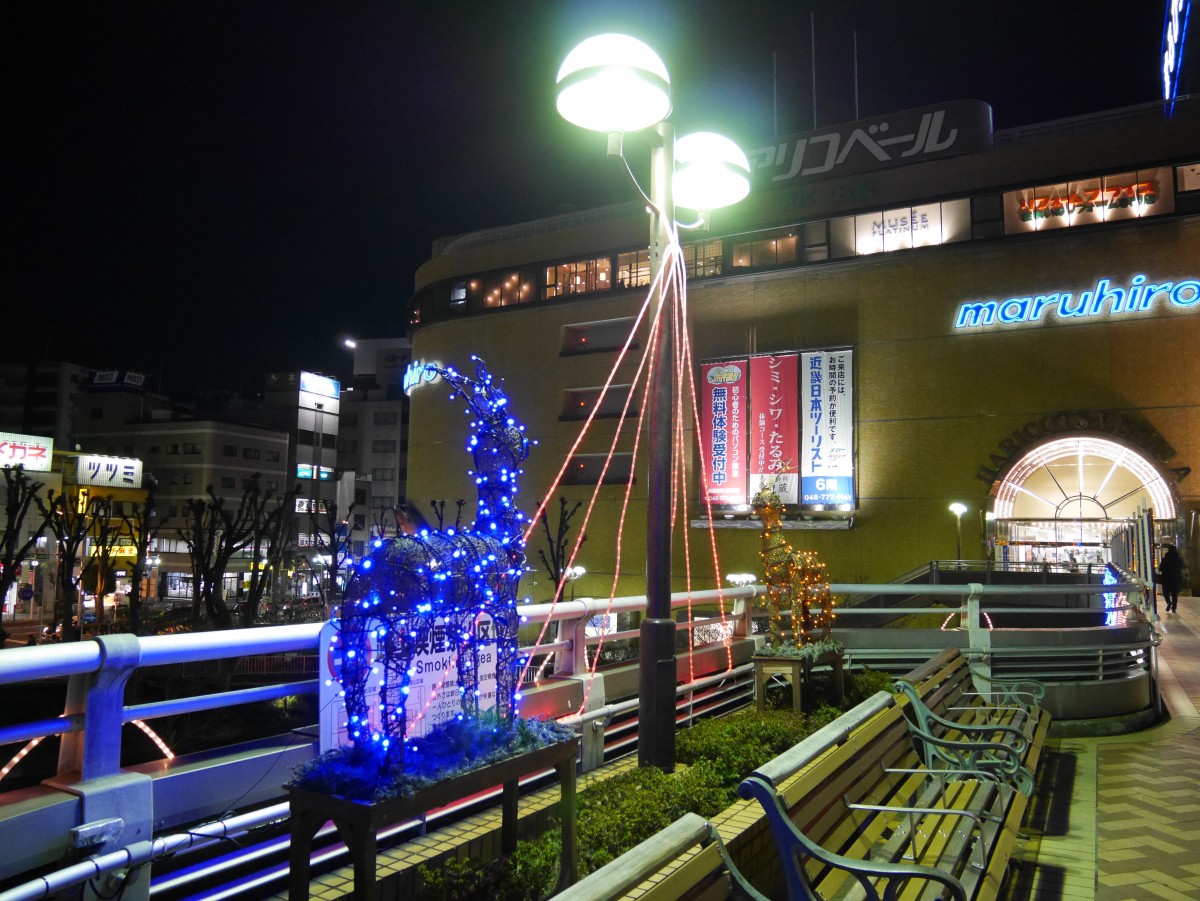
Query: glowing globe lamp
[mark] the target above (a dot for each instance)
(613, 83)
(711, 171)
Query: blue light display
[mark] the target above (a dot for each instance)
(466, 578)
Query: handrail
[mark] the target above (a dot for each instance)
(83, 661)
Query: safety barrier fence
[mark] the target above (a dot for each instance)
(94, 806)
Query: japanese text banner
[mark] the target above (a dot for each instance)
(723, 431)
(774, 430)
(827, 416)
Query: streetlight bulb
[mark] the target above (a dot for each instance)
(613, 83)
(349, 343)
(958, 509)
(711, 171)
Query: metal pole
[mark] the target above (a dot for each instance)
(656, 718)
(958, 532)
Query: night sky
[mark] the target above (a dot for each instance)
(206, 191)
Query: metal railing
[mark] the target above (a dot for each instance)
(94, 806)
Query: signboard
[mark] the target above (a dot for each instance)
(1107, 198)
(723, 425)
(433, 688)
(320, 385)
(910, 136)
(417, 375)
(1107, 299)
(108, 472)
(1175, 25)
(31, 451)
(774, 432)
(827, 418)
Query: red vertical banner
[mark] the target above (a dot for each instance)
(723, 432)
(774, 424)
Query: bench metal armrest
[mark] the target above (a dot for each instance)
(793, 845)
(1013, 686)
(1001, 758)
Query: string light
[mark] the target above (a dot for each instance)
(421, 592)
(795, 580)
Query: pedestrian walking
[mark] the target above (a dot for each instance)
(1171, 571)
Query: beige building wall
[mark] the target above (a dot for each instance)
(932, 405)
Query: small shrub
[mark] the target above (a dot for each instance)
(616, 814)
(457, 879)
(860, 686)
(736, 744)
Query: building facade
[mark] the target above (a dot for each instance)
(1014, 315)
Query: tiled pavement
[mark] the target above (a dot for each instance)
(1119, 818)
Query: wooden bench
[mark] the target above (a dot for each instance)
(856, 812)
(999, 730)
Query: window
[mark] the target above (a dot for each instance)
(703, 258)
(383, 474)
(229, 450)
(1123, 195)
(633, 269)
(385, 417)
(580, 277)
(1188, 177)
(176, 478)
(383, 446)
(382, 502)
(272, 456)
(97, 413)
(272, 485)
(228, 482)
(251, 453)
(172, 449)
(771, 249)
(155, 449)
(191, 448)
(500, 290)
(303, 505)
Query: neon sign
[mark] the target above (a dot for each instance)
(1174, 32)
(418, 373)
(1103, 300)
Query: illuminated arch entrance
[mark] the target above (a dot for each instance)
(1060, 503)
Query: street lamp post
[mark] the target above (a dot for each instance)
(614, 83)
(958, 510)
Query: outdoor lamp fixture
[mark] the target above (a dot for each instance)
(958, 510)
(741, 579)
(571, 573)
(614, 83)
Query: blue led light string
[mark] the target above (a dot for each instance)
(399, 592)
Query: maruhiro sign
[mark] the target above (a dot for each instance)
(1104, 300)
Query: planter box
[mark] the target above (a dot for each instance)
(358, 822)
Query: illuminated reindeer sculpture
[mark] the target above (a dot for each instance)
(795, 579)
(413, 591)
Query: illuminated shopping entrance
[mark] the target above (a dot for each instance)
(1061, 502)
